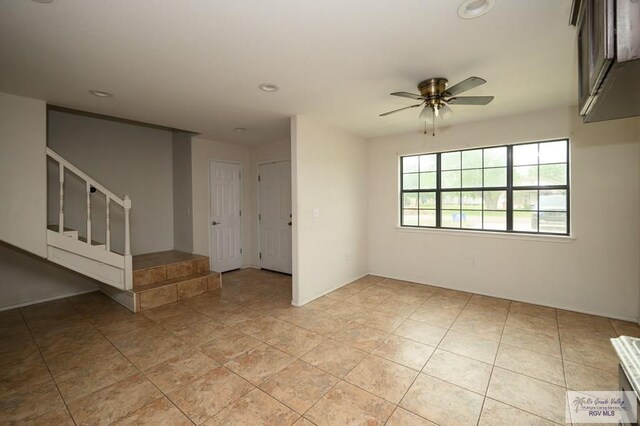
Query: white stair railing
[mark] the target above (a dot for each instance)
(110, 197)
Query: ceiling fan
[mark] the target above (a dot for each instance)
(435, 96)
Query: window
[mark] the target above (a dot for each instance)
(513, 188)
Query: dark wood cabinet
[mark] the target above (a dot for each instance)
(608, 33)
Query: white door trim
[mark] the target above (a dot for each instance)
(239, 164)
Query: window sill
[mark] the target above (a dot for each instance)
(488, 234)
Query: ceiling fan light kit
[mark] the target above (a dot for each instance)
(435, 96)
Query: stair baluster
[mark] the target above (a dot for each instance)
(127, 232)
(128, 259)
(88, 213)
(108, 227)
(61, 212)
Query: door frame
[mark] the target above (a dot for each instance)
(259, 248)
(239, 164)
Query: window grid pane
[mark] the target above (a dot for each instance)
(473, 189)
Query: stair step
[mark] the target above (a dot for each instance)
(138, 288)
(158, 267)
(171, 290)
(67, 231)
(94, 243)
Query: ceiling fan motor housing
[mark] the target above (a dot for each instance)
(433, 90)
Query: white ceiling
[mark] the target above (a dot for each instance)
(196, 64)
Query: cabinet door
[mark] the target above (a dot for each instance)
(584, 94)
(601, 24)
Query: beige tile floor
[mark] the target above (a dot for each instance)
(374, 351)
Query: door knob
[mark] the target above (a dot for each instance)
(215, 223)
(289, 223)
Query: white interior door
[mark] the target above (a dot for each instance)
(225, 234)
(274, 209)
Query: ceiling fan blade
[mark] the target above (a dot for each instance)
(471, 100)
(445, 112)
(408, 95)
(426, 114)
(399, 109)
(465, 85)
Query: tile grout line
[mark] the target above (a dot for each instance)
(564, 371)
(426, 362)
(47, 364)
(199, 376)
(407, 391)
(139, 372)
(493, 366)
(340, 379)
(269, 377)
(506, 403)
(269, 313)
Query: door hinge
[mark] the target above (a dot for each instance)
(258, 178)
(260, 255)
(240, 251)
(241, 213)
(239, 175)
(259, 216)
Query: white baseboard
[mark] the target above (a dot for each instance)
(250, 267)
(531, 301)
(311, 299)
(47, 299)
(124, 298)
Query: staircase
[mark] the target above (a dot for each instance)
(138, 282)
(81, 254)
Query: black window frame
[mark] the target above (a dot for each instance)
(509, 188)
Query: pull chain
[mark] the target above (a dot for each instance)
(434, 122)
(433, 128)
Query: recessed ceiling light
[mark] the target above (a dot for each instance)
(240, 129)
(470, 9)
(101, 94)
(268, 87)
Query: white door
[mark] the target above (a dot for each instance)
(274, 216)
(224, 217)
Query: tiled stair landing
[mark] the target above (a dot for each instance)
(166, 277)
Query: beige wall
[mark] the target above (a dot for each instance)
(182, 192)
(203, 151)
(595, 272)
(270, 152)
(23, 198)
(27, 279)
(126, 158)
(329, 169)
